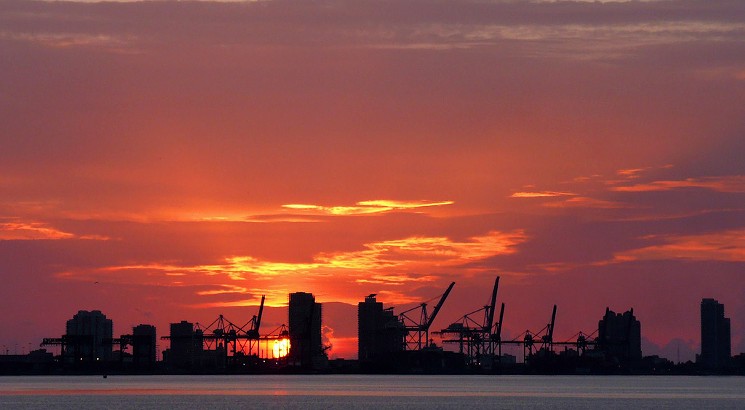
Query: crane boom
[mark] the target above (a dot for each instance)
(499, 325)
(499, 330)
(258, 317)
(439, 305)
(490, 319)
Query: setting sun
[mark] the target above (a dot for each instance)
(280, 348)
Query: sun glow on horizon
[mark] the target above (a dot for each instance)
(280, 348)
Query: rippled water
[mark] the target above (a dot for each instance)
(362, 391)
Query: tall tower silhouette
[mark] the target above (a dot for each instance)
(716, 346)
(379, 332)
(306, 348)
(89, 330)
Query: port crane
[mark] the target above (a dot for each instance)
(233, 340)
(581, 341)
(528, 339)
(81, 347)
(477, 339)
(417, 331)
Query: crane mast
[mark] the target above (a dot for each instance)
(420, 329)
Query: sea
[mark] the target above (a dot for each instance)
(372, 392)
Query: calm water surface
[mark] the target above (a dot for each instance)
(361, 391)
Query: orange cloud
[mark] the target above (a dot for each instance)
(540, 194)
(383, 263)
(30, 231)
(432, 251)
(396, 297)
(366, 207)
(224, 289)
(731, 183)
(236, 303)
(584, 178)
(555, 267)
(394, 279)
(238, 217)
(20, 231)
(633, 173)
(728, 246)
(378, 261)
(585, 202)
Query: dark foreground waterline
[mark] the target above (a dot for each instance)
(372, 391)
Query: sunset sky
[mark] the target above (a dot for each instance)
(164, 161)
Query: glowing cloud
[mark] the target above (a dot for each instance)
(21, 231)
(384, 263)
(30, 231)
(726, 246)
(224, 289)
(383, 203)
(730, 184)
(426, 251)
(367, 207)
(379, 262)
(633, 173)
(394, 279)
(585, 202)
(541, 194)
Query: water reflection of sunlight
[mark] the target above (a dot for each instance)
(280, 348)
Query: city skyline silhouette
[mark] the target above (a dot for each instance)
(168, 161)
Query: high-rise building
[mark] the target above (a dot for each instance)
(186, 345)
(306, 347)
(89, 336)
(619, 335)
(379, 332)
(715, 335)
(144, 345)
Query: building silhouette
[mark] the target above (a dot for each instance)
(619, 336)
(715, 336)
(89, 335)
(144, 345)
(380, 335)
(186, 346)
(306, 348)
